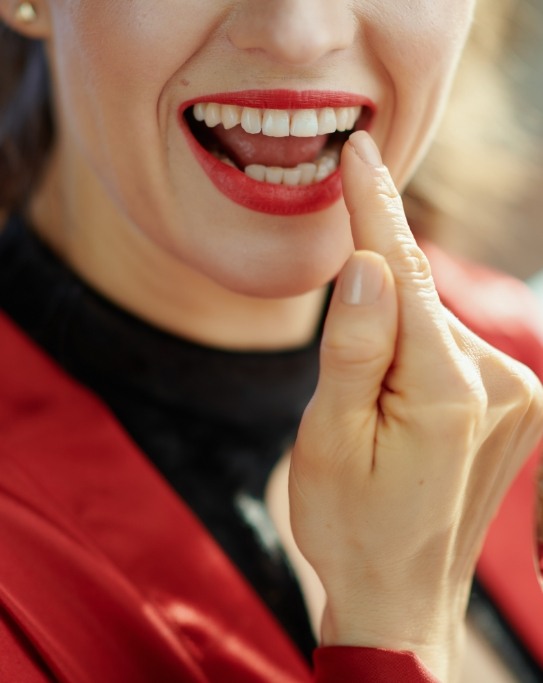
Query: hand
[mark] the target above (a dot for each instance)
(415, 431)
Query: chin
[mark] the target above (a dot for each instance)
(250, 253)
(281, 277)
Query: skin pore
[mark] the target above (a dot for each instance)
(125, 202)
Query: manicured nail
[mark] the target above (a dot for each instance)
(365, 148)
(362, 281)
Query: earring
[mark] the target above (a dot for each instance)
(26, 13)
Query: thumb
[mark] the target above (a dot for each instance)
(359, 336)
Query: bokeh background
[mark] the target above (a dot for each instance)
(479, 193)
(523, 69)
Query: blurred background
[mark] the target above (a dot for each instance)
(480, 191)
(522, 66)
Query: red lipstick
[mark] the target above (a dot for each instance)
(282, 200)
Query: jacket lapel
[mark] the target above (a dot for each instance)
(107, 572)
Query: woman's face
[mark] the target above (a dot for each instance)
(127, 76)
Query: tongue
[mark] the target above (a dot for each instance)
(288, 152)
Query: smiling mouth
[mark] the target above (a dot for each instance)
(274, 151)
(292, 147)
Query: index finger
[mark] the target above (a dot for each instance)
(378, 223)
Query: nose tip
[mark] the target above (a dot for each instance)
(294, 32)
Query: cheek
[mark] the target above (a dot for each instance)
(416, 45)
(419, 40)
(116, 62)
(133, 40)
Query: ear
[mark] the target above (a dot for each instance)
(30, 18)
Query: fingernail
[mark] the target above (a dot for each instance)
(362, 281)
(365, 148)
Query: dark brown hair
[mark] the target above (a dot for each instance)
(26, 123)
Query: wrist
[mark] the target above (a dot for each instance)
(436, 641)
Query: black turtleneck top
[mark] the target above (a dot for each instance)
(213, 422)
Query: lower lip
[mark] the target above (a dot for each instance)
(278, 200)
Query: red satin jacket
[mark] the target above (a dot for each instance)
(106, 576)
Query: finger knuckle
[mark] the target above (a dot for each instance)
(515, 392)
(465, 393)
(467, 385)
(408, 260)
(520, 384)
(471, 411)
(342, 355)
(475, 401)
(386, 190)
(528, 391)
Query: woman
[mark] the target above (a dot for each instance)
(192, 197)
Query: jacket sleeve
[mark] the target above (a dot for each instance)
(368, 665)
(19, 662)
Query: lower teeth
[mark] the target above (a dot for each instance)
(304, 174)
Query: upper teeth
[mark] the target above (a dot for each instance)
(278, 123)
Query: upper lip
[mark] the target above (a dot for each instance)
(285, 99)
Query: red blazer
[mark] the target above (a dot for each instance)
(106, 576)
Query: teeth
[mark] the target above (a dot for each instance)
(231, 116)
(346, 118)
(304, 174)
(278, 123)
(322, 172)
(256, 172)
(251, 120)
(282, 123)
(213, 115)
(308, 173)
(227, 161)
(304, 123)
(327, 121)
(274, 174)
(292, 176)
(199, 111)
